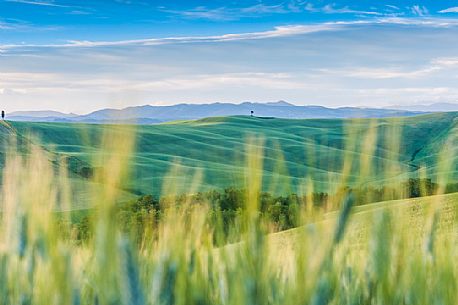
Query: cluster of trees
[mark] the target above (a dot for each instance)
(226, 206)
(411, 188)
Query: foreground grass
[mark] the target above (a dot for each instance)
(402, 252)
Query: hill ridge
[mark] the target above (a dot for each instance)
(149, 114)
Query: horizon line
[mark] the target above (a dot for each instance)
(389, 107)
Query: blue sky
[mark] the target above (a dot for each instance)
(83, 55)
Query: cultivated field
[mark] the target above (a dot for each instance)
(294, 150)
(185, 250)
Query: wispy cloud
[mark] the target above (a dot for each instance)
(419, 10)
(38, 2)
(227, 14)
(382, 73)
(20, 25)
(203, 12)
(436, 65)
(450, 10)
(333, 9)
(40, 82)
(6, 26)
(269, 9)
(280, 31)
(79, 12)
(8, 91)
(392, 6)
(260, 9)
(357, 67)
(424, 21)
(282, 81)
(446, 62)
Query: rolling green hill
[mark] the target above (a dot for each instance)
(363, 218)
(294, 150)
(82, 189)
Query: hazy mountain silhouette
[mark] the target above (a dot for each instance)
(154, 114)
(436, 107)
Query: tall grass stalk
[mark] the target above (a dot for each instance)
(395, 253)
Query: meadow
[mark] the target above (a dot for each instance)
(391, 252)
(294, 150)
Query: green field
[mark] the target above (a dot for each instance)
(184, 251)
(446, 207)
(294, 150)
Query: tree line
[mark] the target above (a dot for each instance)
(281, 211)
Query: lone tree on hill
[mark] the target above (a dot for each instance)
(252, 112)
(3, 115)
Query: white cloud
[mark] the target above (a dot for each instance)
(415, 94)
(20, 25)
(79, 12)
(265, 9)
(419, 10)
(446, 62)
(392, 6)
(282, 81)
(425, 21)
(380, 73)
(227, 14)
(450, 10)
(280, 31)
(30, 82)
(203, 12)
(436, 65)
(39, 3)
(8, 91)
(5, 25)
(346, 66)
(331, 9)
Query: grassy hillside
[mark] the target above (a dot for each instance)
(398, 252)
(446, 207)
(401, 252)
(13, 140)
(294, 150)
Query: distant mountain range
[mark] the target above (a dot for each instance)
(156, 114)
(437, 107)
(39, 115)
